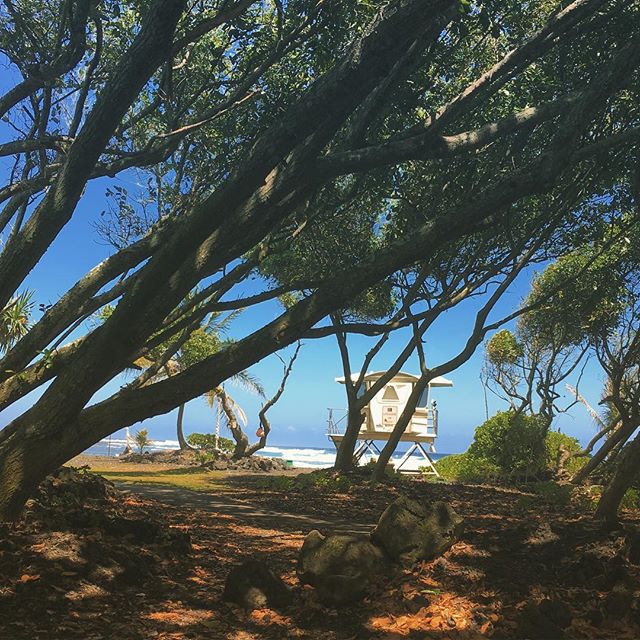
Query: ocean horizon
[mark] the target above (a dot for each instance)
(301, 457)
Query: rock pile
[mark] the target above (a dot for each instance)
(193, 458)
(340, 567)
(343, 568)
(187, 457)
(256, 464)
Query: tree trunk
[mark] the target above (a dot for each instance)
(346, 449)
(617, 437)
(184, 445)
(240, 437)
(265, 425)
(399, 429)
(26, 458)
(627, 471)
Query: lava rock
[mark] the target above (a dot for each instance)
(409, 531)
(544, 620)
(253, 585)
(142, 531)
(632, 547)
(258, 464)
(617, 604)
(556, 611)
(340, 567)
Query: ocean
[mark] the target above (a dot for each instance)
(301, 457)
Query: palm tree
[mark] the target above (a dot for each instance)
(235, 417)
(14, 320)
(202, 343)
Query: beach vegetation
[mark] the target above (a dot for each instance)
(509, 449)
(514, 442)
(210, 443)
(142, 440)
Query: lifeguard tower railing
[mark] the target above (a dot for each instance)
(423, 423)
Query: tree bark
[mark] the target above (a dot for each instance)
(184, 445)
(626, 473)
(399, 429)
(240, 437)
(624, 432)
(344, 455)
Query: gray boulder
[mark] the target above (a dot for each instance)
(340, 567)
(409, 531)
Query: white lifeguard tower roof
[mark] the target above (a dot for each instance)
(401, 376)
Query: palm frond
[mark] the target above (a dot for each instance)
(220, 325)
(14, 319)
(213, 400)
(249, 382)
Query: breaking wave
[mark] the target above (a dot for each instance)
(301, 457)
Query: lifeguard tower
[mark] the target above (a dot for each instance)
(382, 413)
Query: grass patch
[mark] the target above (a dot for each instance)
(320, 479)
(187, 478)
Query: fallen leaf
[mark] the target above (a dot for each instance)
(27, 578)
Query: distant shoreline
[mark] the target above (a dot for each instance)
(301, 457)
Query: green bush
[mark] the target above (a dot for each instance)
(320, 479)
(510, 445)
(513, 442)
(631, 500)
(553, 442)
(463, 467)
(207, 442)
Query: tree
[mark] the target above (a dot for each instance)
(208, 442)
(142, 440)
(602, 310)
(194, 346)
(237, 117)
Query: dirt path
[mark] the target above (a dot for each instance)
(243, 510)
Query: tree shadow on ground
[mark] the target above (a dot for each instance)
(506, 559)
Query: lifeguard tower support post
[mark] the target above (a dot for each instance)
(382, 413)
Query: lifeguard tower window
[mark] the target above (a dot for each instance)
(390, 394)
(424, 398)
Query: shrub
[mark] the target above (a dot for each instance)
(556, 440)
(207, 442)
(513, 442)
(464, 467)
(631, 500)
(142, 439)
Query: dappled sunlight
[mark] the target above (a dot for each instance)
(484, 586)
(186, 478)
(178, 616)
